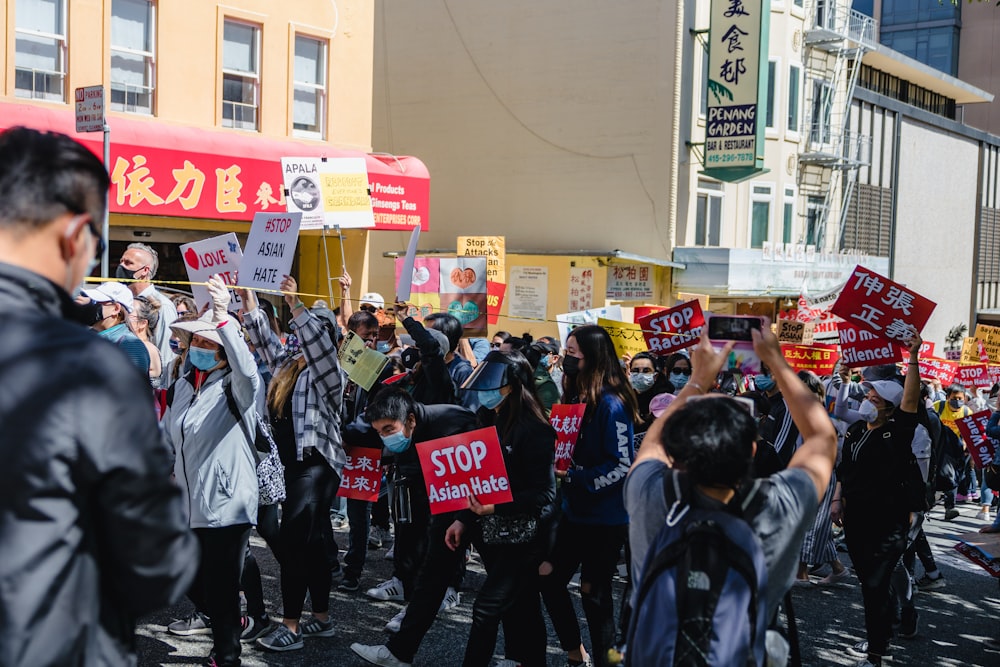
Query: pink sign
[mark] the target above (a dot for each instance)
(673, 329)
(885, 308)
(981, 448)
(942, 370)
(566, 420)
(362, 475)
(463, 465)
(975, 375)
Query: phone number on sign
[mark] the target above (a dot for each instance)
(729, 157)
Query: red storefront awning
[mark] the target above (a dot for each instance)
(187, 172)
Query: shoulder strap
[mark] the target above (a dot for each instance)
(939, 407)
(235, 411)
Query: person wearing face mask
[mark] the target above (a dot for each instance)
(116, 305)
(776, 427)
(677, 372)
(139, 263)
(950, 410)
(215, 462)
(646, 379)
(540, 354)
(876, 525)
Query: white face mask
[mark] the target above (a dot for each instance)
(868, 411)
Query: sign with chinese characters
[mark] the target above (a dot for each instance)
(632, 282)
(217, 255)
(362, 475)
(942, 370)
(328, 191)
(860, 347)
(673, 329)
(463, 292)
(820, 359)
(626, 336)
(981, 447)
(885, 308)
(581, 288)
(463, 465)
(89, 108)
(270, 250)
(566, 420)
(529, 293)
(737, 89)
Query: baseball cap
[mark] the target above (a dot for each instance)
(372, 298)
(891, 392)
(659, 404)
(111, 292)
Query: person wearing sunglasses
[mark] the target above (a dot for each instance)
(648, 381)
(91, 519)
(677, 371)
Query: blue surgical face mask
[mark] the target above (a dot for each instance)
(678, 380)
(490, 398)
(383, 346)
(396, 442)
(764, 382)
(202, 359)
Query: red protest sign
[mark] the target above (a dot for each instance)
(926, 349)
(942, 370)
(640, 312)
(820, 359)
(975, 375)
(494, 300)
(860, 347)
(673, 329)
(993, 372)
(885, 308)
(566, 420)
(981, 448)
(362, 475)
(463, 465)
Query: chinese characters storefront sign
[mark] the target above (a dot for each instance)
(270, 250)
(581, 288)
(673, 329)
(633, 282)
(566, 420)
(362, 475)
(820, 359)
(217, 255)
(328, 191)
(463, 465)
(737, 89)
(981, 447)
(885, 308)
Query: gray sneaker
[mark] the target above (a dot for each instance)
(313, 627)
(195, 624)
(281, 639)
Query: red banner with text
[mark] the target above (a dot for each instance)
(566, 420)
(981, 447)
(463, 465)
(673, 329)
(885, 308)
(362, 475)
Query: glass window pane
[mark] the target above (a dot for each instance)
(128, 69)
(714, 220)
(769, 122)
(38, 53)
(132, 25)
(758, 223)
(237, 89)
(793, 98)
(699, 220)
(307, 109)
(310, 61)
(239, 47)
(40, 15)
(786, 228)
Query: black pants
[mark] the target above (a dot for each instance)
(594, 550)
(876, 543)
(919, 549)
(267, 527)
(359, 517)
(510, 593)
(411, 541)
(310, 486)
(216, 588)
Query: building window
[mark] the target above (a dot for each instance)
(822, 106)
(814, 218)
(708, 216)
(772, 85)
(760, 215)
(40, 44)
(240, 75)
(704, 81)
(794, 95)
(788, 217)
(309, 93)
(133, 55)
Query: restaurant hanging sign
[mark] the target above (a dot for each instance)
(737, 89)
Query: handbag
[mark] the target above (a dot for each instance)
(508, 529)
(270, 471)
(991, 475)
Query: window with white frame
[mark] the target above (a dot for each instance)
(822, 107)
(814, 218)
(708, 213)
(309, 92)
(761, 198)
(40, 49)
(772, 87)
(794, 95)
(703, 110)
(240, 75)
(133, 55)
(788, 216)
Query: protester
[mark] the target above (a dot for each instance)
(458, 367)
(144, 320)
(116, 304)
(139, 263)
(677, 371)
(93, 529)
(184, 304)
(648, 381)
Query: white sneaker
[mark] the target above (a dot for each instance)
(391, 553)
(390, 590)
(983, 515)
(378, 655)
(396, 622)
(451, 600)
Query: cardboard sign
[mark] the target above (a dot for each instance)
(218, 255)
(270, 250)
(328, 192)
(362, 475)
(463, 292)
(463, 465)
(673, 329)
(627, 337)
(970, 350)
(405, 274)
(974, 375)
(885, 308)
(493, 248)
(793, 331)
(991, 341)
(820, 359)
(981, 448)
(941, 370)
(362, 364)
(860, 347)
(566, 420)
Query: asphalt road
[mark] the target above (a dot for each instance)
(955, 621)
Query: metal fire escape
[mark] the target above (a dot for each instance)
(836, 37)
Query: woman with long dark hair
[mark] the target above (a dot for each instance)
(594, 524)
(510, 593)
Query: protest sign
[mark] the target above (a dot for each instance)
(926, 348)
(974, 375)
(494, 300)
(581, 288)
(425, 294)
(463, 465)
(703, 299)
(217, 255)
(566, 420)
(331, 192)
(362, 475)
(362, 364)
(626, 337)
(793, 331)
(404, 274)
(970, 350)
(993, 371)
(673, 329)
(632, 282)
(270, 250)
(569, 321)
(981, 448)
(494, 249)
(860, 347)
(885, 308)
(815, 308)
(942, 370)
(529, 293)
(640, 312)
(820, 359)
(463, 292)
(991, 341)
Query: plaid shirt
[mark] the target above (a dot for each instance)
(319, 391)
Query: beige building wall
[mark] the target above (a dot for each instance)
(979, 62)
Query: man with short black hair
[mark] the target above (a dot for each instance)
(92, 530)
(140, 262)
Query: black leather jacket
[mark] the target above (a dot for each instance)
(91, 527)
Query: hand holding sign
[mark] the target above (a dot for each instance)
(885, 308)
(288, 289)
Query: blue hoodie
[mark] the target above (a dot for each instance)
(592, 489)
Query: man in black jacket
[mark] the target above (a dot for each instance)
(92, 532)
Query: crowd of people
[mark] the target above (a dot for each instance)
(136, 476)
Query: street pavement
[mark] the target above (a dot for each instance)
(955, 621)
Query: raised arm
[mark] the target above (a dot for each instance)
(317, 346)
(911, 385)
(245, 379)
(262, 337)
